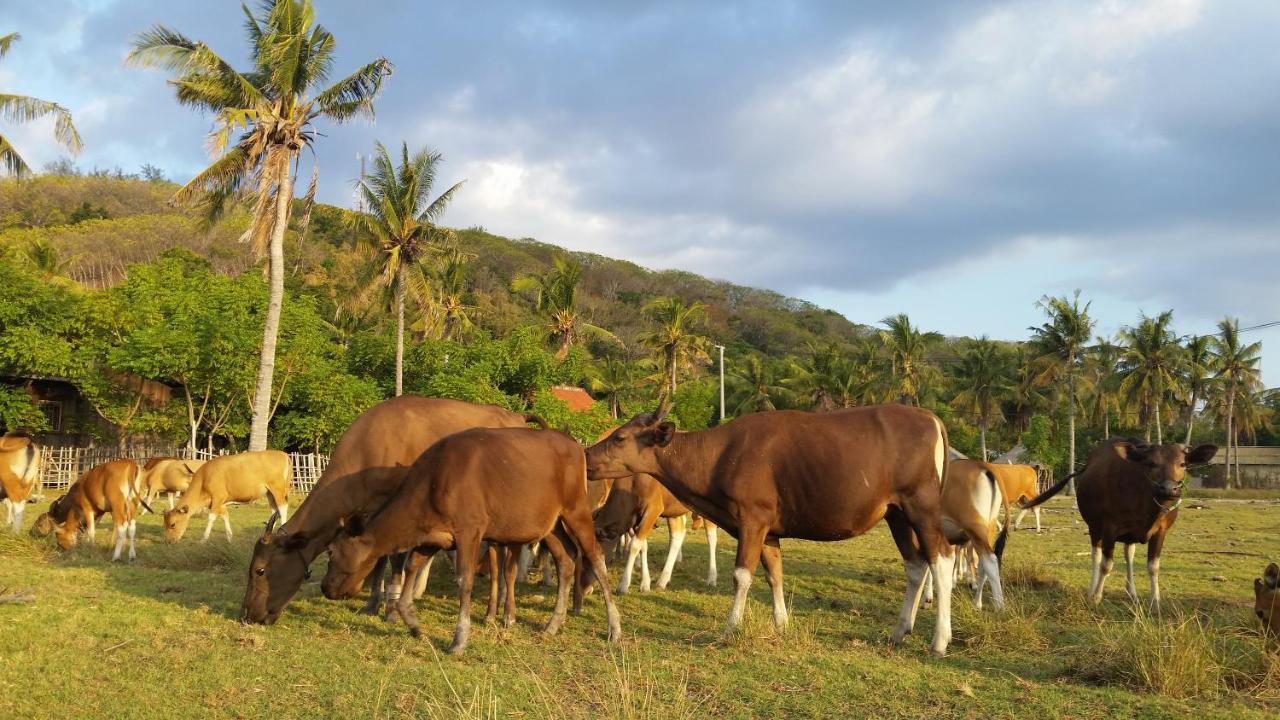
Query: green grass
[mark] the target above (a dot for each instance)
(159, 638)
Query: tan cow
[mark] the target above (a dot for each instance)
(232, 479)
(1018, 484)
(1266, 599)
(971, 503)
(19, 471)
(111, 487)
(167, 475)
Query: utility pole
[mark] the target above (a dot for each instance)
(721, 348)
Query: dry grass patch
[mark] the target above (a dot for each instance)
(980, 632)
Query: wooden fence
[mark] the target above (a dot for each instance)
(62, 466)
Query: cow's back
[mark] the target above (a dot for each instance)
(245, 476)
(1017, 482)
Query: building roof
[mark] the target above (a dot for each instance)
(576, 398)
(1250, 455)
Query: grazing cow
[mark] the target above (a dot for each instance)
(971, 503)
(232, 479)
(170, 476)
(509, 486)
(1129, 492)
(19, 471)
(1266, 599)
(111, 487)
(634, 506)
(365, 468)
(814, 476)
(1018, 484)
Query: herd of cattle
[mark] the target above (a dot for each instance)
(414, 476)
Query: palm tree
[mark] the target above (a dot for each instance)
(401, 218)
(44, 258)
(1149, 367)
(1100, 364)
(615, 379)
(556, 296)
(757, 388)
(23, 109)
(1059, 344)
(1237, 371)
(1197, 365)
(273, 107)
(826, 380)
(450, 277)
(984, 378)
(673, 339)
(907, 347)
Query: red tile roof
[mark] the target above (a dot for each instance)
(576, 398)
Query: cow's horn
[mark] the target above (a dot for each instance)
(271, 524)
(664, 409)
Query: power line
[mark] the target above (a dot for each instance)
(1273, 323)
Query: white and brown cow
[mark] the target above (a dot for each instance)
(111, 487)
(19, 472)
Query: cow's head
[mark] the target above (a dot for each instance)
(618, 514)
(632, 448)
(276, 571)
(1266, 599)
(351, 559)
(1165, 466)
(175, 523)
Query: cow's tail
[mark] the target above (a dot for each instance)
(537, 420)
(1057, 488)
(997, 501)
(133, 493)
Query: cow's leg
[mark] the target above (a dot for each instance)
(91, 526)
(1129, 587)
(1154, 546)
(711, 553)
(679, 528)
(133, 533)
(119, 531)
(565, 566)
(633, 550)
(395, 585)
(578, 524)
(283, 509)
(1037, 511)
(1017, 523)
(544, 560)
(491, 611)
(226, 523)
(916, 569)
(522, 565)
(468, 545)
(16, 511)
(771, 556)
(415, 561)
(645, 584)
(750, 544)
(1103, 563)
(424, 574)
(989, 570)
(376, 580)
(171, 502)
(509, 556)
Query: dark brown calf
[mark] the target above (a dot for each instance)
(1266, 599)
(814, 476)
(1130, 492)
(507, 486)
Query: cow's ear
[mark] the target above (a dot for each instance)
(661, 435)
(1272, 575)
(295, 541)
(1132, 453)
(1201, 454)
(184, 509)
(353, 526)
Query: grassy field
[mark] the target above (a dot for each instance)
(159, 638)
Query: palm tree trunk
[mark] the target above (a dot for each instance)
(982, 432)
(400, 329)
(1106, 423)
(271, 328)
(1159, 430)
(673, 377)
(1231, 410)
(1191, 418)
(1071, 420)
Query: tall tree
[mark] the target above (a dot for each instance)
(674, 339)
(453, 314)
(907, 347)
(615, 378)
(756, 386)
(984, 377)
(23, 109)
(1149, 367)
(400, 215)
(272, 109)
(1197, 367)
(556, 297)
(1101, 364)
(1060, 344)
(1236, 371)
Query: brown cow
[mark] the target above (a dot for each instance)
(1266, 599)
(111, 487)
(508, 486)
(167, 475)
(232, 479)
(1018, 484)
(365, 468)
(19, 471)
(814, 476)
(634, 506)
(1129, 492)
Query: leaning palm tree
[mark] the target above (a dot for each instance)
(1237, 371)
(984, 377)
(1197, 366)
(907, 346)
(272, 109)
(401, 217)
(1149, 367)
(556, 297)
(23, 109)
(674, 339)
(1059, 346)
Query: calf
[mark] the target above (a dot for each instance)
(1266, 599)
(1130, 492)
(167, 475)
(1018, 484)
(232, 479)
(634, 506)
(107, 488)
(508, 486)
(814, 476)
(19, 471)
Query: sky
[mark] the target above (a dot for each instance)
(952, 160)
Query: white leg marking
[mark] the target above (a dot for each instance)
(1096, 562)
(941, 567)
(673, 552)
(16, 511)
(226, 522)
(741, 584)
(118, 529)
(1153, 572)
(420, 586)
(916, 571)
(645, 585)
(1017, 523)
(779, 605)
(990, 571)
(633, 549)
(133, 533)
(1129, 587)
(284, 513)
(208, 527)
(927, 583)
(711, 555)
(1037, 518)
(522, 565)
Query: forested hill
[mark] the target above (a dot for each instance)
(100, 224)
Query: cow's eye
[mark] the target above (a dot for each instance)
(262, 571)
